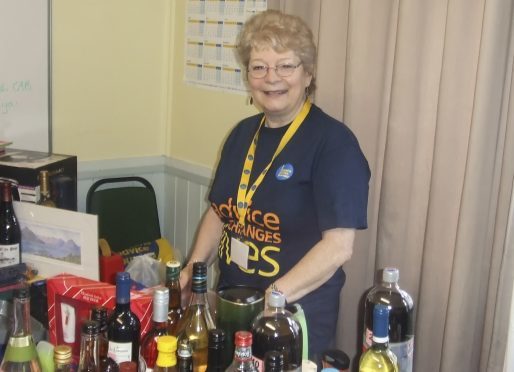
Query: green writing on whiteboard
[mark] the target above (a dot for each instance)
(7, 106)
(11, 93)
(16, 86)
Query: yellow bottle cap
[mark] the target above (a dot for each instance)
(167, 344)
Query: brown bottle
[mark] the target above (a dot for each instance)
(89, 351)
(173, 284)
(99, 313)
(44, 190)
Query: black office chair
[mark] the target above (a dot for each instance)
(126, 209)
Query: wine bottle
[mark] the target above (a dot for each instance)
(276, 329)
(197, 320)
(45, 197)
(173, 284)
(89, 360)
(10, 233)
(243, 361)
(63, 358)
(21, 354)
(379, 357)
(216, 351)
(123, 326)
(128, 367)
(166, 359)
(273, 361)
(184, 356)
(99, 313)
(401, 317)
(159, 327)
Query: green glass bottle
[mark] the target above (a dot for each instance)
(21, 354)
(379, 357)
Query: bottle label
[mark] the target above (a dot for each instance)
(259, 364)
(120, 351)
(9, 254)
(404, 352)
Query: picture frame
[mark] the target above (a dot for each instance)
(56, 241)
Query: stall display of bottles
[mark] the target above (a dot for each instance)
(243, 361)
(45, 197)
(184, 356)
(276, 329)
(89, 348)
(123, 326)
(10, 233)
(379, 357)
(21, 354)
(197, 320)
(99, 313)
(166, 359)
(159, 327)
(63, 358)
(401, 317)
(273, 361)
(173, 284)
(216, 351)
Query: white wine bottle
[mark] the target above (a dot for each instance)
(379, 357)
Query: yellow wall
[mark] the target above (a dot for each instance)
(118, 87)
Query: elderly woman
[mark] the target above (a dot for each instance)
(291, 185)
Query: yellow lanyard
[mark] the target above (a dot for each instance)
(245, 193)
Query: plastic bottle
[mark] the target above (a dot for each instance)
(401, 317)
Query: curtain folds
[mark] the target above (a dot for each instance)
(427, 88)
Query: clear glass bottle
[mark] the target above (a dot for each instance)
(197, 320)
(20, 354)
(63, 359)
(216, 351)
(175, 311)
(123, 326)
(184, 356)
(89, 360)
(243, 361)
(166, 359)
(99, 313)
(401, 317)
(276, 329)
(45, 197)
(379, 357)
(159, 327)
(10, 233)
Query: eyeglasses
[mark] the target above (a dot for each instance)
(259, 70)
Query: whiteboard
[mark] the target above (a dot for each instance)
(25, 96)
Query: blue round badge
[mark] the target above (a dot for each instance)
(284, 172)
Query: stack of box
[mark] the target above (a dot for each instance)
(24, 167)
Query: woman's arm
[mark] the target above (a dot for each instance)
(318, 265)
(204, 249)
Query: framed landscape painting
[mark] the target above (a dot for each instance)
(56, 241)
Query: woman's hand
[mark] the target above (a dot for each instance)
(186, 276)
(314, 268)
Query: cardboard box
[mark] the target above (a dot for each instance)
(24, 166)
(71, 298)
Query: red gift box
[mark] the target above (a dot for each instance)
(71, 298)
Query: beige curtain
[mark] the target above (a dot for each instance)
(427, 88)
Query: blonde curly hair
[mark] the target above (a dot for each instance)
(280, 32)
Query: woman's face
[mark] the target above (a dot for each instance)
(280, 98)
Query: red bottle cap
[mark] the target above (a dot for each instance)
(243, 338)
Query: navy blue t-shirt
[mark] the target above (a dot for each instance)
(318, 182)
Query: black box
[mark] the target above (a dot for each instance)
(24, 167)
